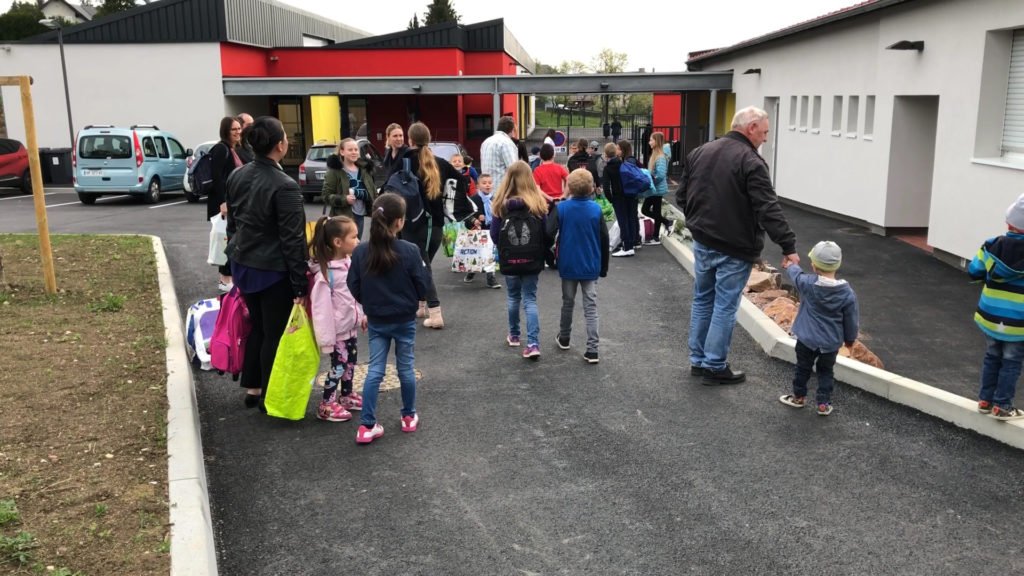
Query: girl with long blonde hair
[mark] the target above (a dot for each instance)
(519, 230)
(658, 165)
(440, 185)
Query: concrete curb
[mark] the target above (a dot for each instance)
(193, 551)
(928, 399)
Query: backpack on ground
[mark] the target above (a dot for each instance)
(521, 244)
(634, 181)
(227, 346)
(199, 323)
(407, 185)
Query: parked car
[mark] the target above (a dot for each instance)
(313, 169)
(14, 166)
(190, 162)
(446, 150)
(141, 160)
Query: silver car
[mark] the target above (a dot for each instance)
(198, 152)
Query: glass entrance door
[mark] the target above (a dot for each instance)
(289, 112)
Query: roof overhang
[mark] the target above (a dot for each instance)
(525, 84)
(837, 16)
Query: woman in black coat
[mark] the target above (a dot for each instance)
(223, 161)
(266, 249)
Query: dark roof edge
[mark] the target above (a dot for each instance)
(840, 15)
(51, 35)
(372, 41)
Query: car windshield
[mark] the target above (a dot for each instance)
(104, 146)
(320, 153)
(444, 149)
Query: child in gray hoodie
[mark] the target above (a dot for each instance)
(828, 318)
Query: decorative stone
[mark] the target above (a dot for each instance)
(762, 299)
(861, 353)
(762, 281)
(783, 312)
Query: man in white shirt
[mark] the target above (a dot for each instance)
(498, 152)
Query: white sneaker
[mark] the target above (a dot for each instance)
(622, 253)
(225, 286)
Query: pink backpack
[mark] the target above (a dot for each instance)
(227, 346)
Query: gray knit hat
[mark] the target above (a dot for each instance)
(594, 145)
(826, 256)
(1015, 213)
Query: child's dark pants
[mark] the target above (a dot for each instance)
(805, 360)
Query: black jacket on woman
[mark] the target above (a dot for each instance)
(222, 163)
(266, 221)
(612, 179)
(393, 164)
(454, 185)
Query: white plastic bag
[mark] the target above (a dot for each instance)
(218, 241)
(614, 235)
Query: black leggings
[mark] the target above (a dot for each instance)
(427, 252)
(268, 313)
(652, 209)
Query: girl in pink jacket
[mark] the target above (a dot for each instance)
(337, 316)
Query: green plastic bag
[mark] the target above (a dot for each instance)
(606, 208)
(295, 367)
(451, 232)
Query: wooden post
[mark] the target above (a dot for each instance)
(46, 252)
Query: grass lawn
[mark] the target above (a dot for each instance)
(549, 119)
(83, 450)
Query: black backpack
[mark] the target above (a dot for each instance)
(521, 244)
(201, 175)
(407, 185)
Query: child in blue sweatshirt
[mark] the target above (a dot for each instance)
(388, 278)
(1000, 315)
(582, 256)
(828, 318)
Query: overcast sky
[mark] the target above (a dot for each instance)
(656, 34)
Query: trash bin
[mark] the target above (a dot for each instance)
(56, 165)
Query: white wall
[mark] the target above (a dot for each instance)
(849, 175)
(175, 86)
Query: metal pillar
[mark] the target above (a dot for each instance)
(712, 112)
(497, 105)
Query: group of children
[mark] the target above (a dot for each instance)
(377, 286)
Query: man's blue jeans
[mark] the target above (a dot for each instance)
(1000, 371)
(717, 288)
(381, 335)
(523, 289)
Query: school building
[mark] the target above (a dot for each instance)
(905, 116)
(183, 64)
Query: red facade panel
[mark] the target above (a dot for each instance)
(667, 110)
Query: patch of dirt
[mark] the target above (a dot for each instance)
(83, 407)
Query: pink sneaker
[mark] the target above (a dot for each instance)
(409, 423)
(366, 435)
(351, 402)
(333, 412)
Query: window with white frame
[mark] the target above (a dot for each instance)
(816, 115)
(853, 109)
(869, 118)
(792, 112)
(837, 115)
(803, 113)
(1013, 117)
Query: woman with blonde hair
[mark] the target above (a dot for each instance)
(658, 165)
(441, 187)
(518, 228)
(395, 148)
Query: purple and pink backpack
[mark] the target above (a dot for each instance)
(227, 346)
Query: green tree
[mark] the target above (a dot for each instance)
(440, 11)
(609, 61)
(21, 21)
(414, 23)
(114, 6)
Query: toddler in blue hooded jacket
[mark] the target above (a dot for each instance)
(828, 318)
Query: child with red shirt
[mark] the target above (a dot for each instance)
(550, 177)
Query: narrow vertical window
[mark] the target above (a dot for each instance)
(869, 118)
(837, 116)
(792, 112)
(816, 115)
(803, 113)
(851, 119)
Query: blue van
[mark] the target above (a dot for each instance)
(141, 160)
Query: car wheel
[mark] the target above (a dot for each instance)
(153, 193)
(191, 197)
(88, 199)
(26, 182)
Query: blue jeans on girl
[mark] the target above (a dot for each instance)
(523, 289)
(381, 335)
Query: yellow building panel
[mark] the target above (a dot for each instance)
(326, 117)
